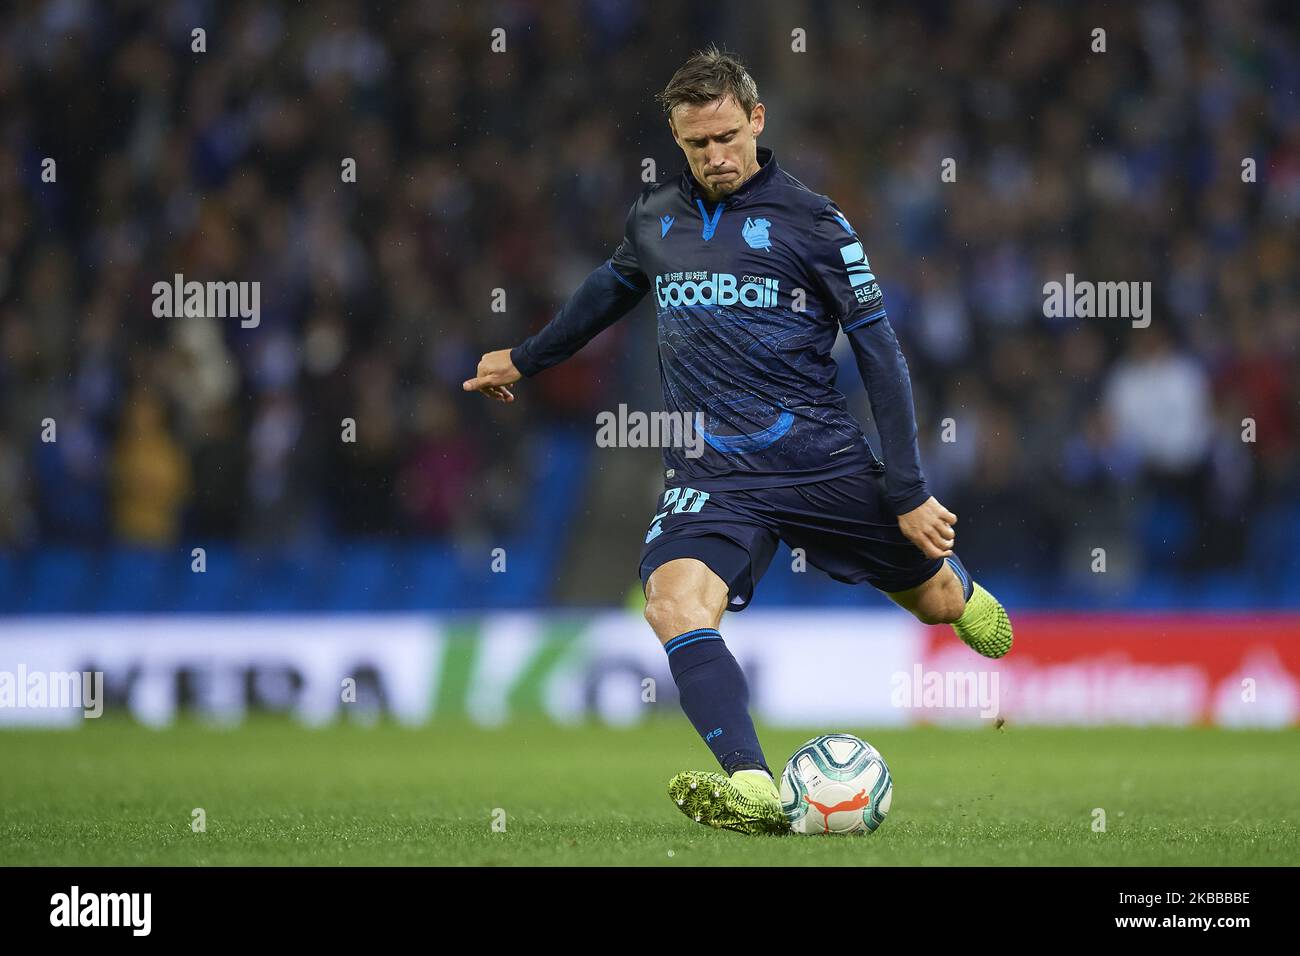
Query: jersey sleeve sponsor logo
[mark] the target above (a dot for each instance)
(861, 278)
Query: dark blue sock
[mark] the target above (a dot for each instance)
(715, 697)
(967, 582)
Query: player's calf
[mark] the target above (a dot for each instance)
(715, 697)
(953, 597)
(940, 600)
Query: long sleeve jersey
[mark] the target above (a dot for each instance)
(751, 293)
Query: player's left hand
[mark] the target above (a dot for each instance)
(496, 372)
(929, 527)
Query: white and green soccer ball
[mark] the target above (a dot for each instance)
(836, 783)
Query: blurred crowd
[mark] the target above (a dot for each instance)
(479, 170)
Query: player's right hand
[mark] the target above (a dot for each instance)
(929, 527)
(495, 374)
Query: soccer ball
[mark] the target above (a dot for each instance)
(836, 783)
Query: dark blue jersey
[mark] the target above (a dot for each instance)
(751, 293)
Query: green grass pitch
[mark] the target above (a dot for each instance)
(112, 793)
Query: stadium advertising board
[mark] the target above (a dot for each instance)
(853, 668)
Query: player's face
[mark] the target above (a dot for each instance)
(720, 143)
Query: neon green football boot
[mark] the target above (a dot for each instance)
(747, 802)
(984, 625)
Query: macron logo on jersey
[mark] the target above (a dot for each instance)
(720, 288)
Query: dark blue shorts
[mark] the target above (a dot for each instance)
(844, 525)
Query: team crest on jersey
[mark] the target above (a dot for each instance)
(755, 233)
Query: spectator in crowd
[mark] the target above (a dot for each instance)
(151, 478)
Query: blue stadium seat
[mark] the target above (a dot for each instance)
(212, 590)
(61, 580)
(138, 580)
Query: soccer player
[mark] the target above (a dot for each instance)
(754, 275)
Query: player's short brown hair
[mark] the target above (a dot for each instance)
(710, 74)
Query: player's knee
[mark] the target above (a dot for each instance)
(682, 596)
(673, 614)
